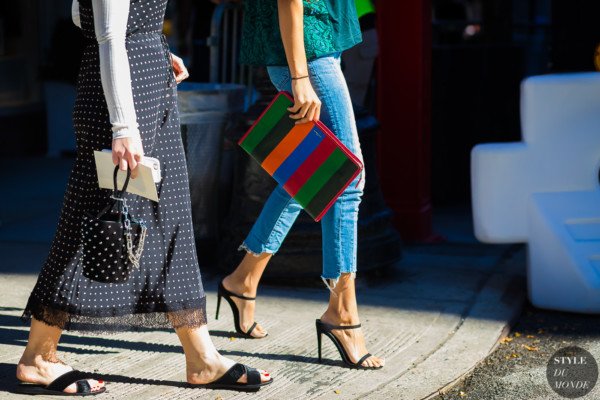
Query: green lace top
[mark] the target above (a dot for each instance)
(330, 26)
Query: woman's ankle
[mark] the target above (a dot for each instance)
(203, 368)
(340, 317)
(38, 357)
(201, 361)
(241, 285)
(27, 358)
(345, 282)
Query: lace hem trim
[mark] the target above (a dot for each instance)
(191, 314)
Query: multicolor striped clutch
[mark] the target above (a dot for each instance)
(312, 165)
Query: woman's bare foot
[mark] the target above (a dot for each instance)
(39, 363)
(36, 370)
(203, 362)
(353, 340)
(343, 310)
(245, 307)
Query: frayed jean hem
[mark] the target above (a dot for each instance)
(331, 283)
(244, 247)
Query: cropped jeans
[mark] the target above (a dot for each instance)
(339, 224)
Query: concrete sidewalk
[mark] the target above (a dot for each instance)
(434, 316)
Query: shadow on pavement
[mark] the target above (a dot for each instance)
(9, 382)
(18, 337)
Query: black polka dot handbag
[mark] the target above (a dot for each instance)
(113, 240)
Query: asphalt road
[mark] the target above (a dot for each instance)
(516, 370)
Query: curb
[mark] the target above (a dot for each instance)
(495, 308)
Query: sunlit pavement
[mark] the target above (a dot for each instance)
(434, 316)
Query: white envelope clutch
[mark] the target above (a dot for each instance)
(144, 185)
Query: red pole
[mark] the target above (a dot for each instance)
(404, 110)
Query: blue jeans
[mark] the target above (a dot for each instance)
(339, 224)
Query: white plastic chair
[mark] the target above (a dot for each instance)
(544, 191)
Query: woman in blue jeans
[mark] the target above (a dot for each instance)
(301, 42)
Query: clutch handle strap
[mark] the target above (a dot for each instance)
(117, 195)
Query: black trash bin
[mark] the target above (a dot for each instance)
(207, 111)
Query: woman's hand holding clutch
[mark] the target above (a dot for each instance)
(127, 153)
(307, 106)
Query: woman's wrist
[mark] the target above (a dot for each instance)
(298, 69)
(126, 133)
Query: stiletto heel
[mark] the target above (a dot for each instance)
(227, 295)
(319, 343)
(325, 329)
(218, 306)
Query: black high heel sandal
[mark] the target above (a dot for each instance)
(325, 329)
(227, 295)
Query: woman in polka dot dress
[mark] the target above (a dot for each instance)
(127, 101)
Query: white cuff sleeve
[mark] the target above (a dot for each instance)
(75, 13)
(110, 25)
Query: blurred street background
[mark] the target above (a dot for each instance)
(435, 78)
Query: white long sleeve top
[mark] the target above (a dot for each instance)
(110, 26)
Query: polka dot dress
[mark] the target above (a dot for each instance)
(166, 290)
